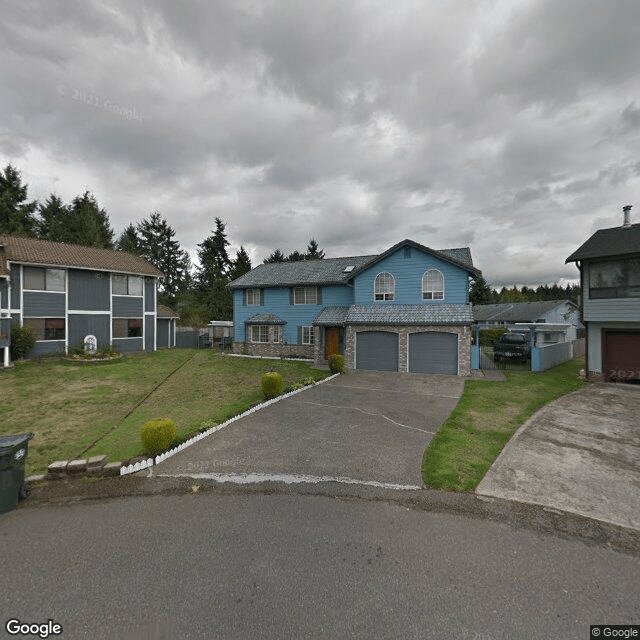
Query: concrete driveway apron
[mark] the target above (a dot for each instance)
(580, 453)
(363, 426)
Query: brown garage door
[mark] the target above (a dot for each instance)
(621, 355)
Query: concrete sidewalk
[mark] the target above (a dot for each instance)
(580, 454)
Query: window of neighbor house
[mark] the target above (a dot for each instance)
(122, 285)
(127, 327)
(41, 279)
(433, 285)
(384, 287)
(47, 328)
(277, 334)
(615, 279)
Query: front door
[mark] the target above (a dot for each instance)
(332, 342)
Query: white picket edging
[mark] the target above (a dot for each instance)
(145, 464)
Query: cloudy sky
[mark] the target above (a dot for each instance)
(512, 127)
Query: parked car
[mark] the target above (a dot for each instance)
(512, 346)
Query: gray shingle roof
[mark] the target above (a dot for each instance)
(616, 241)
(265, 318)
(331, 270)
(332, 316)
(515, 311)
(46, 253)
(305, 272)
(403, 314)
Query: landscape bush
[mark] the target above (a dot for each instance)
(157, 435)
(23, 339)
(272, 385)
(336, 363)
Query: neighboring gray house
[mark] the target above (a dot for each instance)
(609, 264)
(69, 292)
(549, 312)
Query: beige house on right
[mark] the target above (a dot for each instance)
(609, 264)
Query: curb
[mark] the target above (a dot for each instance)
(516, 514)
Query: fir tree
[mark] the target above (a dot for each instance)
(16, 214)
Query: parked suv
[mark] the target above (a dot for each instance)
(512, 346)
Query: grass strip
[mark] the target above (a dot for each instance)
(79, 409)
(485, 418)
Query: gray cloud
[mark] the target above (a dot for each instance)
(510, 127)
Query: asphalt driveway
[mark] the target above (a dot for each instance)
(363, 426)
(580, 453)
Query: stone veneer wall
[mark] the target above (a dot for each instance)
(276, 349)
(464, 343)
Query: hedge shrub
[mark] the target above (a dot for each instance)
(336, 364)
(23, 339)
(272, 385)
(157, 435)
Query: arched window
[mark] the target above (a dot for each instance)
(433, 285)
(384, 287)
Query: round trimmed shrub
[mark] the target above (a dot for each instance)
(336, 363)
(272, 384)
(157, 435)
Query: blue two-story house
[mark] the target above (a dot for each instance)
(406, 309)
(69, 293)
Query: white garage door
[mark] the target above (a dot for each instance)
(433, 352)
(377, 350)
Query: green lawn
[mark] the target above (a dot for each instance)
(484, 420)
(86, 409)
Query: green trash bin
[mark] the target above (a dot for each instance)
(13, 453)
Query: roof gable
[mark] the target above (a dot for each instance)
(604, 243)
(460, 257)
(60, 254)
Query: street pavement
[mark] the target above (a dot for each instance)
(579, 454)
(366, 426)
(290, 566)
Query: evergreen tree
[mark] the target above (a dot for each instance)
(157, 245)
(129, 240)
(313, 253)
(276, 256)
(87, 224)
(16, 214)
(54, 215)
(295, 256)
(480, 292)
(213, 274)
(241, 264)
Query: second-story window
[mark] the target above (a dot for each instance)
(126, 285)
(305, 295)
(384, 287)
(41, 279)
(252, 297)
(433, 285)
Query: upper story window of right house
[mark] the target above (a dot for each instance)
(433, 285)
(618, 278)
